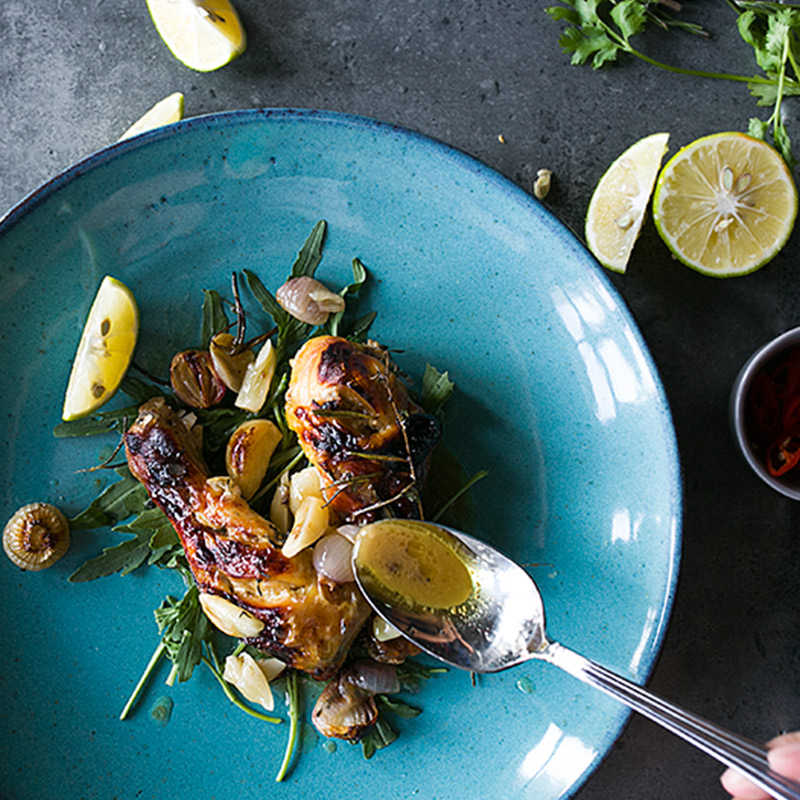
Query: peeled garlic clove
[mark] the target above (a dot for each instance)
(310, 523)
(194, 379)
(279, 514)
(229, 365)
(249, 450)
(257, 380)
(36, 536)
(230, 618)
(302, 484)
(247, 675)
(309, 300)
(382, 630)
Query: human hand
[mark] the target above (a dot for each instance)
(784, 758)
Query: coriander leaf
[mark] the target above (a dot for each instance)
(758, 128)
(311, 253)
(630, 16)
(436, 389)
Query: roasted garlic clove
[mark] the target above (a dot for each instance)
(230, 618)
(36, 536)
(194, 379)
(310, 523)
(249, 450)
(229, 364)
(251, 677)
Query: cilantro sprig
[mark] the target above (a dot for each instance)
(598, 31)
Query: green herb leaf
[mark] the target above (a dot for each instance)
(397, 707)
(436, 389)
(123, 557)
(311, 253)
(214, 317)
(116, 502)
(183, 627)
(352, 289)
(380, 735)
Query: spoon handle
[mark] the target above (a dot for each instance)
(745, 756)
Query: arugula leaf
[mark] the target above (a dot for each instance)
(124, 558)
(214, 317)
(311, 252)
(436, 389)
(398, 707)
(352, 289)
(183, 627)
(380, 735)
(360, 327)
(116, 502)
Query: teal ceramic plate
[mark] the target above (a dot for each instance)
(557, 397)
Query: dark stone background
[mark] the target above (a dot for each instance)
(75, 74)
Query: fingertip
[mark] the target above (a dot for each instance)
(739, 787)
(785, 759)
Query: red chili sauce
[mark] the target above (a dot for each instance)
(773, 413)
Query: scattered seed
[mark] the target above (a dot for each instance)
(541, 185)
(727, 179)
(501, 138)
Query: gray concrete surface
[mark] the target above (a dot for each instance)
(75, 74)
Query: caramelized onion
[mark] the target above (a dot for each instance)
(332, 558)
(309, 300)
(374, 677)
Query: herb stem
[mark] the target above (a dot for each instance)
(235, 700)
(151, 665)
(294, 718)
(480, 475)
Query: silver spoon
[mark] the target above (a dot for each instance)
(502, 624)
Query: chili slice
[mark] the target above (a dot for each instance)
(783, 454)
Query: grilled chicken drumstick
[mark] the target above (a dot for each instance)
(232, 551)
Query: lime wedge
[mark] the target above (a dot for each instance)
(164, 112)
(104, 351)
(618, 205)
(204, 35)
(725, 204)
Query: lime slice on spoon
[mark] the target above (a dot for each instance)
(104, 351)
(618, 205)
(725, 204)
(204, 35)
(164, 112)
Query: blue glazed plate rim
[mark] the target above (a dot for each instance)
(514, 194)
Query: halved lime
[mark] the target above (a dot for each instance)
(164, 112)
(202, 34)
(725, 204)
(104, 351)
(618, 205)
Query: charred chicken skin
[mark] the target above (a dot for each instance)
(356, 423)
(233, 551)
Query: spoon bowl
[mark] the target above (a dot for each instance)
(502, 624)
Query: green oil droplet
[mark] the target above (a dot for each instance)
(525, 685)
(161, 710)
(329, 746)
